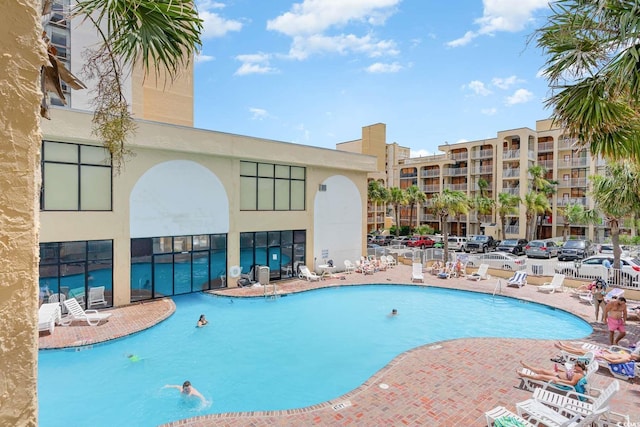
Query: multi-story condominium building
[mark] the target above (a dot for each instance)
(503, 164)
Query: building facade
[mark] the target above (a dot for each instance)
(502, 163)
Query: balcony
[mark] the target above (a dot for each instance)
(545, 147)
(511, 154)
(567, 143)
(566, 201)
(548, 164)
(460, 156)
(456, 187)
(430, 173)
(515, 191)
(431, 188)
(453, 218)
(482, 154)
(456, 171)
(511, 173)
(482, 170)
(512, 229)
(428, 218)
(476, 187)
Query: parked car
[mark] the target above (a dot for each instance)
(541, 249)
(514, 246)
(576, 249)
(595, 267)
(400, 240)
(503, 260)
(383, 240)
(420, 242)
(457, 243)
(606, 249)
(480, 243)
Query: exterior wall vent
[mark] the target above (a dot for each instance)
(322, 187)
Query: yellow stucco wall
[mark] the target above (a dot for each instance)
(20, 61)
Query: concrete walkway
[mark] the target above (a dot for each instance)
(450, 383)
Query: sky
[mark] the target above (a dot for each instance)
(314, 72)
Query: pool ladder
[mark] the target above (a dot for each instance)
(498, 288)
(270, 294)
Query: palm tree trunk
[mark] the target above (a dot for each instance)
(615, 240)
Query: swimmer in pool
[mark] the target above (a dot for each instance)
(188, 390)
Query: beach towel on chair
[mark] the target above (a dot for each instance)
(626, 369)
(507, 421)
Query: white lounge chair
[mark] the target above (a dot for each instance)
(500, 412)
(481, 274)
(391, 261)
(616, 369)
(306, 274)
(92, 317)
(416, 273)
(556, 284)
(96, 296)
(48, 316)
(518, 280)
(531, 384)
(349, 267)
(552, 409)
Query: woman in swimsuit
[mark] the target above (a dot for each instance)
(568, 377)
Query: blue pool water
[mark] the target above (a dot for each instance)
(259, 354)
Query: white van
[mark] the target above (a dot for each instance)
(457, 243)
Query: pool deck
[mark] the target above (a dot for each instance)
(449, 383)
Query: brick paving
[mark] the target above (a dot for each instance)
(449, 383)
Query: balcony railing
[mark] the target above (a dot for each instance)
(512, 229)
(548, 164)
(456, 187)
(430, 173)
(476, 187)
(567, 142)
(513, 191)
(482, 154)
(428, 218)
(510, 173)
(545, 146)
(431, 188)
(460, 156)
(482, 169)
(565, 201)
(511, 154)
(456, 171)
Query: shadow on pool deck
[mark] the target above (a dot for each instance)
(451, 383)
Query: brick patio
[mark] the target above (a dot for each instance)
(449, 383)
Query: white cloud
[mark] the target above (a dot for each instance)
(502, 15)
(505, 83)
(213, 24)
(489, 111)
(379, 67)
(258, 113)
(249, 68)
(478, 88)
(316, 16)
(308, 24)
(255, 63)
(303, 47)
(520, 96)
(200, 58)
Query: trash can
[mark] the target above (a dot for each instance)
(263, 275)
(537, 270)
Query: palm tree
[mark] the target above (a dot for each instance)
(593, 75)
(507, 205)
(535, 204)
(483, 184)
(576, 214)
(158, 32)
(443, 204)
(375, 195)
(415, 196)
(540, 185)
(616, 196)
(160, 35)
(397, 197)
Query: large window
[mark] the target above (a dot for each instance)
(173, 265)
(281, 251)
(73, 269)
(268, 187)
(75, 177)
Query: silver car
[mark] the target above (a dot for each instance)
(541, 249)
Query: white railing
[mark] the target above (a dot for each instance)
(623, 278)
(455, 171)
(572, 201)
(481, 154)
(512, 229)
(430, 173)
(511, 172)
(456, 187)
(511, 154)
(482, 169)
(460, 156)
(431, 188)
(545, 146)
(513, 191)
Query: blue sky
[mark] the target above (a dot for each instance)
(314, 72)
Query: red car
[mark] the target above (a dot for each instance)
(420, 242)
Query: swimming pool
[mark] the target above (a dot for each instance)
(259, 354)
